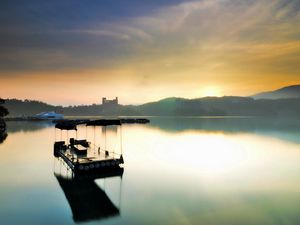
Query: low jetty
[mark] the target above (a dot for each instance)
(77, 121)
(134, 120)
(23, 118)
(103, 122)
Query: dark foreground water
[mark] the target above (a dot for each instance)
(177, 171)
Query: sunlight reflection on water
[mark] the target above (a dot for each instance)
(177, 171)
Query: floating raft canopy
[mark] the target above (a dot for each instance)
(103, 122)
(66, 126)
(77, 153)
(72, 124)
(69, 124)
(83, 157)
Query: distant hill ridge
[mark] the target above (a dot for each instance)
(282, 102)
(292, 91)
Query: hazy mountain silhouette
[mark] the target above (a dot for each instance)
(207, 106)
(221, 106)
(286, 92)
(28, 107)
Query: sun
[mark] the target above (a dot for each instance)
(210, 91)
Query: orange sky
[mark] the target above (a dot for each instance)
(188, 49)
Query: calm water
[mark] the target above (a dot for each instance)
(177, 171)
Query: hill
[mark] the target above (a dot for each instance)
(28, 107)
(286, 92)
(31, 107)
(208, 106)
(221, 106)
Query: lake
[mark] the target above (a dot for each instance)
(208, 170)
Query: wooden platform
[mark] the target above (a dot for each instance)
(93, 161)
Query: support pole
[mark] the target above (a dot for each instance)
(120, 193)
(94, 138)
(105, 138)
(121, 140)
(85, 132)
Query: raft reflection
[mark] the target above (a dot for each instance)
(86, 199)
(3, 136)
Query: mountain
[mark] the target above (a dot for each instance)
(207, 106)
(28, 107)
(18, 108)
(221, 106)
(286, 92)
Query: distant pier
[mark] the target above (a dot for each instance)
(76, 121)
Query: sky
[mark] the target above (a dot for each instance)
(76, 52)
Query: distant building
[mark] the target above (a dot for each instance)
(110, 106)
(109, 103)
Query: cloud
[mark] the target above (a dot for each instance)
(207, 30)
(172, 48)
(199, 28)
(105, 33)
(119, 32)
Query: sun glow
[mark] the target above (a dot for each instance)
(210, 91)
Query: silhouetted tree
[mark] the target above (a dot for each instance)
(3, 112)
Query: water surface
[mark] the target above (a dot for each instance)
(177, 171)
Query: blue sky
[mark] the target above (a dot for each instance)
(51, 25)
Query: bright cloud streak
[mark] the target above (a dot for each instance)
(181, 49)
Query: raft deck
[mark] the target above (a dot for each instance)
(80, 156)
(95, 159)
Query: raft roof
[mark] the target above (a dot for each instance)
(72, 124)
(66, 126)
(104, 122)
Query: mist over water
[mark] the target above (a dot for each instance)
(217, 170)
